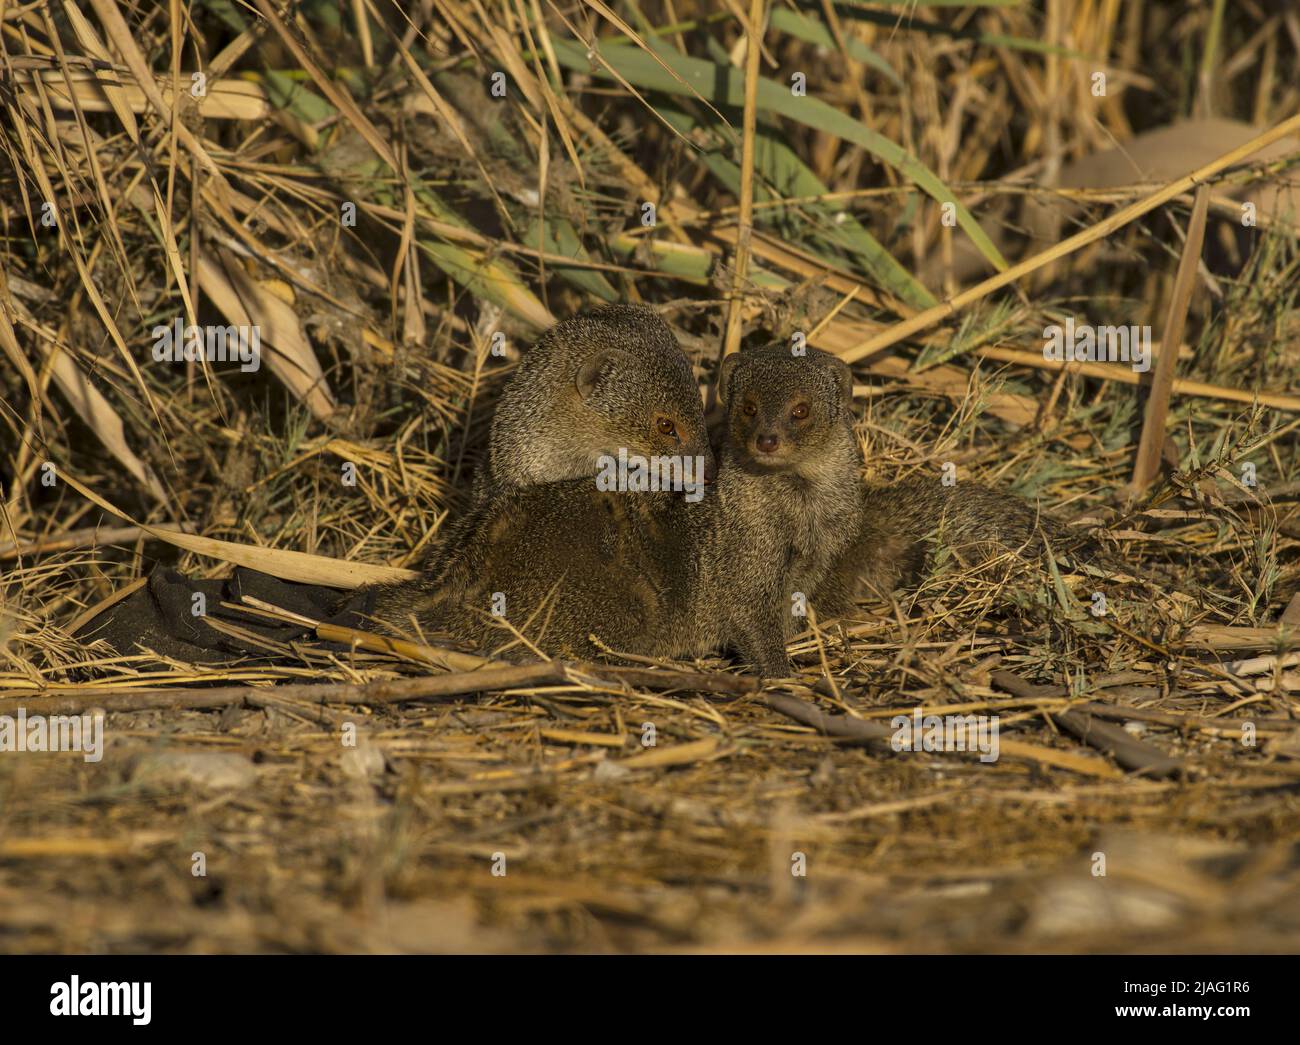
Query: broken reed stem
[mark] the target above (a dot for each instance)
(393, 691)
(388, 691)
(1110, 740)
(1151, 445)
(1181, 385)
(941, 311)
(287, 565)
(448, 660)
(745, 229)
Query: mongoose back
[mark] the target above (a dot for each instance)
(898, 521)
(607, 380)
(656, 574)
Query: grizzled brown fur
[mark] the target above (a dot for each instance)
(788, 498)
(569, 559)
(898, 520)
(609, 379)
(789, 519)
(655, 574)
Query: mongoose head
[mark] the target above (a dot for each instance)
(786, 412)
(636, 389)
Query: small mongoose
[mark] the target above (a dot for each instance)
(654, 573)
(899, 521)
(788, 500)
(608, 380)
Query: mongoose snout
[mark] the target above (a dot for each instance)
(784, 409)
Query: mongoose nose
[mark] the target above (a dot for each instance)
(767, 443)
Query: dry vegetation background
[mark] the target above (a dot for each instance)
(477, 215)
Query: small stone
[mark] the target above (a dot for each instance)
(216, 770)
(363, 762)
(606, 771)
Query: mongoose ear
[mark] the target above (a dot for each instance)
(597, 368)
(844, 378)
(724, 376)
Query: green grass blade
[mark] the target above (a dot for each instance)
(558, 236)
(726, 86)
(811, 31)
(780, 167)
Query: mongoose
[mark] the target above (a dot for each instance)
(607, 380)
(656, 574)
(788, 500)
(789, 522)
(889, 549)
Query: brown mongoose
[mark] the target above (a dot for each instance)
(654, 573)
(608, 380)
(789, 522)
(788, 500)
(898, 520)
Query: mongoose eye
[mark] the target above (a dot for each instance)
(749, 409)
(800, 412)
(666, 426)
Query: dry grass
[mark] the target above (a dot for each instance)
(227, 209)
